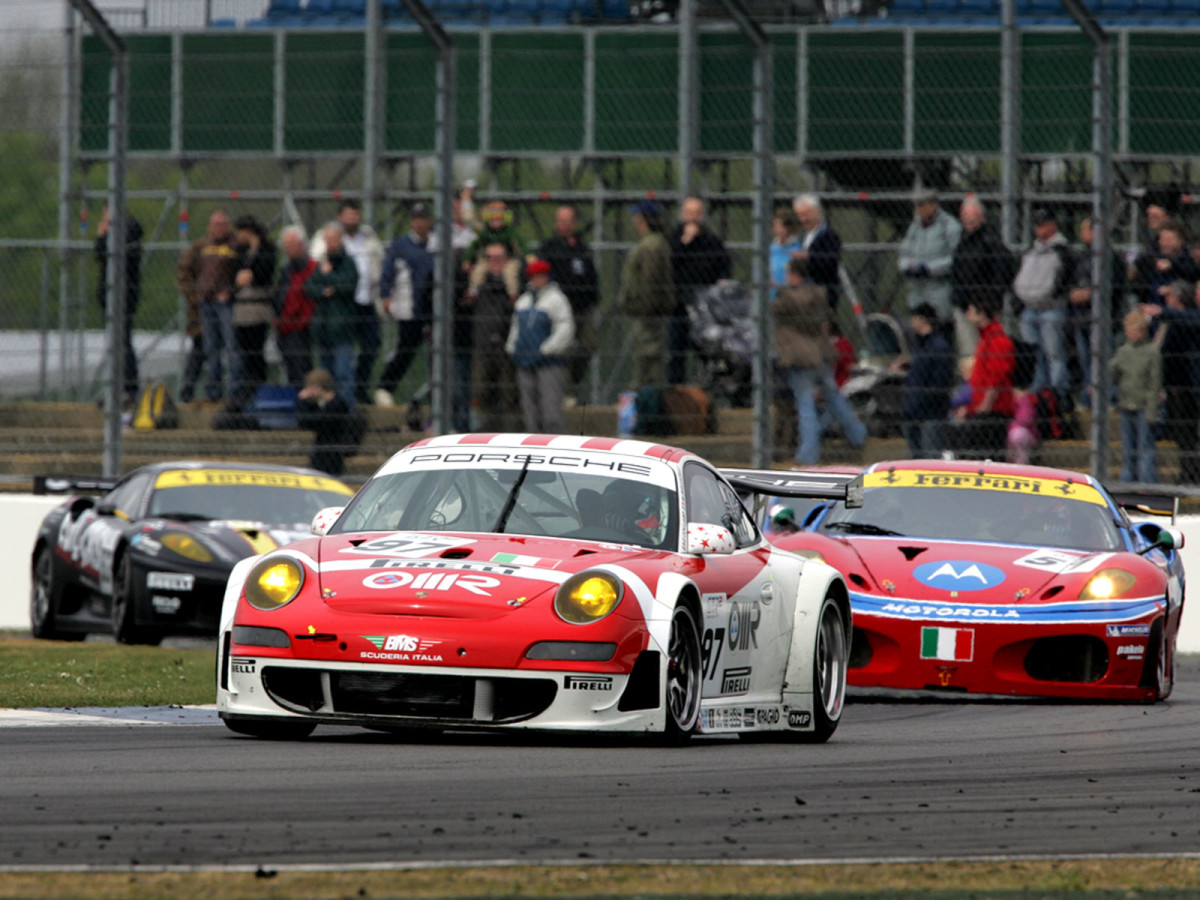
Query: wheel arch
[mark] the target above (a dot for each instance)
(817, 581)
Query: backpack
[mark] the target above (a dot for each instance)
(154, 408)
(689, 409)
(1055, 419)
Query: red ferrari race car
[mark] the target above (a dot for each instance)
(998, 579)
(537, 582)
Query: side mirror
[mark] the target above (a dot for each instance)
(106, 509)
(1167, 539)
(324, 519)
(704, 538)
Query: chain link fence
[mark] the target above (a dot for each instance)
(268, 126)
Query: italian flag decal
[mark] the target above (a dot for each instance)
(954, 644)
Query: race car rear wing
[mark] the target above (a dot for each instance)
(813, 485)
(1147, 503)
(72, 484)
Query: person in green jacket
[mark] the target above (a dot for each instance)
(647, 295)
(1136, 371)
(331, 286)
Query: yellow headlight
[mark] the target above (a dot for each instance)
(186, 545)
(587, 597)
(274, 583)
(1107, 583)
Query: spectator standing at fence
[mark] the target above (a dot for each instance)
(360, 243)
(982, 268)
(293, 324)
(820, 246)
(925, 403)
(1176, 327)
(927, 254)
(1136, 372)
(981, 425)
(804, 353)
(1141, 268)
(573, 270)
(1173, 262)
(1079, 321)
(333, 287)
(461, 337)
(253, 310)
(497, 228)
(325, 412)
(133, 291)
(785, 243)
(698, 261)
(1041, 286)
(539, 341)
(406, 287)
(647, 295)
(493, 293)
(205, 278)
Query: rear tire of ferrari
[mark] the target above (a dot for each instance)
(684, 673)
(42, 602)
(830, 655)
(124, 628)
(271, 729)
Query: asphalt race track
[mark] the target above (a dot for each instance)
(899, 780)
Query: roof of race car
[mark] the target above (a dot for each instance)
(206, 464)
(624, 446)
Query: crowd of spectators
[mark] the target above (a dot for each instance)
(525, 331)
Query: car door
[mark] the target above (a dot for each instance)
(747, 618)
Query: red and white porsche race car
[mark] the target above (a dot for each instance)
(537, 582)
(989, 578)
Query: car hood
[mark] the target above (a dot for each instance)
(969, 573)
(448, 575)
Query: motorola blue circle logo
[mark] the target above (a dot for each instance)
(959, 575)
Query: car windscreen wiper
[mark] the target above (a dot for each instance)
(861, 528)
(511, 501)
(184, 516)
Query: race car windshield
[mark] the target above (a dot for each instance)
(557, 504)
(977, 515)
(254, 503)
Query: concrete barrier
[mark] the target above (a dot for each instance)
(21, 514)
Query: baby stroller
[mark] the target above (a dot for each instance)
(873, 389)
(723, 335)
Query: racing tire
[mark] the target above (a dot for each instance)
(125, 630)
(830, 655)
(270, 728)
(681, 698)
(1162, 658)
(42, 622)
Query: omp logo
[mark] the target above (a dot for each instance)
(432, 581)
(799, 719)
(402, 643)
(587, 683)
(959, 575)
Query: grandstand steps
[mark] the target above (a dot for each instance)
(68, 438)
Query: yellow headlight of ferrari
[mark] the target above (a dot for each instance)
(1107, 583)
(187, 546)
(588, 597)
(274, 583)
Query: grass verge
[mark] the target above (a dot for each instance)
(35, 673)
(1159, 879)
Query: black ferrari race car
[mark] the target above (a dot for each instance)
(150, 557)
